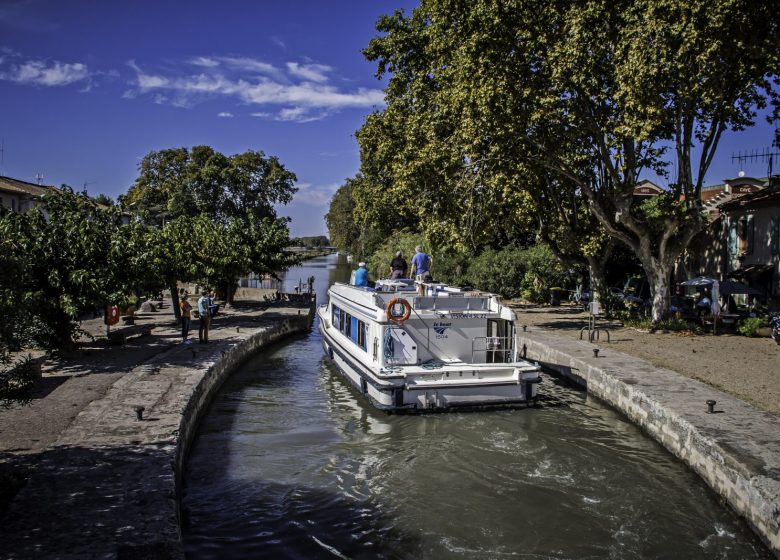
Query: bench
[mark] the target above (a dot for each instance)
(121, 334)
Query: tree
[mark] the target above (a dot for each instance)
(65, 257)
(181, 182)
(586, 92)
(345, 229)
(216, 214)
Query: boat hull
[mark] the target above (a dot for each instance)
(399, 394)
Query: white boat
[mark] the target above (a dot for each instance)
(413, 346)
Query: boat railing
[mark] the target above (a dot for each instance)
(492, 349)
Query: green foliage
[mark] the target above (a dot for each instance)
(672, 324)
(17, 377)
(569, 103)
(543, 272)
(750, 326)
(66, 257)
(214, 215)
(180, 182)
(310, 242)
(501, 272)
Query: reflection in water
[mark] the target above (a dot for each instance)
(291, 463)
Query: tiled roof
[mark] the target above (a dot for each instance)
(757, 198)
(16, 186)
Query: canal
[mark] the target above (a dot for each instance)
(290, 462)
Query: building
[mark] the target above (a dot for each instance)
(751, 231)
(20, 196)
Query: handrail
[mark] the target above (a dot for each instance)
(497, 349)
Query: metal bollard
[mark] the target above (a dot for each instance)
(595, 352)
(711, 406)
(139, 412)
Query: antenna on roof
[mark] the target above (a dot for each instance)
(84, 187)
(2, 157)
(39, 178)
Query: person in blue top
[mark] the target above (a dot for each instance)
(421, 265)
(205, 317)
(361, 275)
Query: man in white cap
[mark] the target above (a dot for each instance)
(361, 275)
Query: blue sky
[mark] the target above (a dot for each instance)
(87, 88)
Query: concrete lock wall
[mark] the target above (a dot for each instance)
(735, 450)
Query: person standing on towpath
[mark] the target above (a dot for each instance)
(205, 317)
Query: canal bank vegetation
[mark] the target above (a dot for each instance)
(191, 216)
(512, 126)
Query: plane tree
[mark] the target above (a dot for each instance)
(589, 93)
(203, 201)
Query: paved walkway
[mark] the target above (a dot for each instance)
(97, 482)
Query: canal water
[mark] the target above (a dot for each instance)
(290, 462)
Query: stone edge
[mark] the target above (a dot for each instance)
(754, 500)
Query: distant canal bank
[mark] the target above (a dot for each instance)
(289, 462)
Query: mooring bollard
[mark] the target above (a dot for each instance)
(711, 406)
(595, 352)
(525, 327)
(139, 412)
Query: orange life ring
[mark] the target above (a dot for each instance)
(398, 318)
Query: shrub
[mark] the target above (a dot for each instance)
(543, 271)
(750, 326)
(673, 324)
(500, 272)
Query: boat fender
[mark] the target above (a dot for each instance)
(391, 316)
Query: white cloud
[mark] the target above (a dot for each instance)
(299, 92)
(42, 73)
(315, 195)
(204, 61)
(310, 72)
(225, 115)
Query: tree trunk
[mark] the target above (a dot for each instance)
(175, 301)
(598, 280)
(64, 331)
(658, 276)
(230, 292)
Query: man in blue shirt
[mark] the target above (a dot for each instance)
(361, 275)
(421, 264)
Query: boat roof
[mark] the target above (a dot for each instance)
(439, 298)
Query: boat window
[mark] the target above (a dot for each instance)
(350, 326)
(361, 336)
(346, 324)
(336, 318)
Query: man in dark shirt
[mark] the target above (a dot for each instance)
(398, 267)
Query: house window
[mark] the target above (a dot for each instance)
(746, 233)
(774, 235)
(733, 246)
